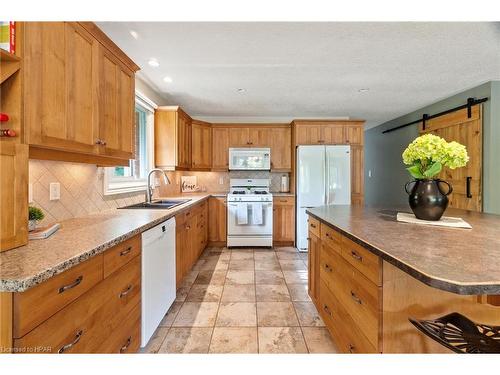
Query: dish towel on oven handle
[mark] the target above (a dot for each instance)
(242, 213)
(257, 214)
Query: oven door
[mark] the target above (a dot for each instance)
(249, 159)
(265, 228)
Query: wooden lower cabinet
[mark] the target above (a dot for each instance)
(104, 319)
(313, 257)
(217, 223)
(283, 221)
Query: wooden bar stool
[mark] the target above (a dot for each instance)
(460, 334)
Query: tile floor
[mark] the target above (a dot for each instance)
(244, 301)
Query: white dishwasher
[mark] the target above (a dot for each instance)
(158, 276)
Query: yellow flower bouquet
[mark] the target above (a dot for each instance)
(428, 154)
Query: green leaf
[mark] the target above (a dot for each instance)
(415, 171)
(433, 170)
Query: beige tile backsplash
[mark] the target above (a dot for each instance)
(82, 188)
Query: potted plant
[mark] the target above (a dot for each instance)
(34, 215)
(426, 157)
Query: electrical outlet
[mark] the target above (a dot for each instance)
(221, 180)
(30, 193)
(370, 173)
(54, 191)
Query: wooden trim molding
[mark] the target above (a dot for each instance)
(56, 155)
(6, 307)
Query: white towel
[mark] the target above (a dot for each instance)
(257, 213)
(445, 221)
(242, 213)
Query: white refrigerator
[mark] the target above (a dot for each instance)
(323, 178)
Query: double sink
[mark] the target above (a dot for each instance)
(163, 204)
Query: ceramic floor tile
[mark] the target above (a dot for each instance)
(308, 315)
(182, 293)
(298, 292)
(267, 265)
(295, 277)
(215, 265)
(242, 265)
(214, 277)
(265, 255)
(237, 314)
(281, 340)
(242, 255)
(169, 317)
(187, 340)
(272, 293)
(287, 255)
(286, 249)
(269, 277)
(204, 293)
(156, 340)
(198, 264)
(240, 277)
(238, 293)
(292, 265)
(318, 340)
(234, 340)
(276, 314)
(196, 314)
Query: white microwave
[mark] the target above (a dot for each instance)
(249, 159)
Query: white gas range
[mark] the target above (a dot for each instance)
(249, 213)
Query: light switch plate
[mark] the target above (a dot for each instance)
(55, 191)
(370, 173)
(30, 193)
(221, 180)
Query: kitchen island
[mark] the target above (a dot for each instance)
(369, 273)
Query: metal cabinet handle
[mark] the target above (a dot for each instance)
(327, 234)
(98, 141)
(127, 344)
(126, 291)
(356, 298)
(327, 310)
(71, 344)
(72, 285)
(351, 348)
(188, 227)
(328, 268)
(312, 225)
(356, 256)
(103, 142)
(467, 187)
(126, 251)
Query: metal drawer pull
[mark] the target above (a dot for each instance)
(312, 225)
(71, 344)
(126, 291)
(327, 310)
(356, 256)
(72, 285)
(127, 344)
(328, 268)
(351, 348)
(356, 298)
(126, 251)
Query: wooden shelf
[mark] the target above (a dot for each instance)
(9, 64)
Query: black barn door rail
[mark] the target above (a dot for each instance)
(470, 103)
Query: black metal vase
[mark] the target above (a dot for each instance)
(427, 199)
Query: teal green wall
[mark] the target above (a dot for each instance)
(383, 151)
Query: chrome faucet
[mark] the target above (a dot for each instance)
(149, 191)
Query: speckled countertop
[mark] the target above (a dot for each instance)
(462, 261)
(77, 240)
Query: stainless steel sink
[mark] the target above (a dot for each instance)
(162, 204)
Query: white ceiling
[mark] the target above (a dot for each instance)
(310, 70)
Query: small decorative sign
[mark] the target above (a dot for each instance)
(188, 184)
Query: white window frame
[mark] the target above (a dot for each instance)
(131, 184)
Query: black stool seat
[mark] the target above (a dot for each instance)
(461, 334)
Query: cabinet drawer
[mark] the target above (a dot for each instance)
(359, 297)
(121, 254)
(314, 226)
(331, 237)
(127, 338)
(284, 201)
(365, 261)
(329, 263)
(347, 335)
(37, 304)
(87, 322)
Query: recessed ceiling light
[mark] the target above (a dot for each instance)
(364, 90)
(241, 90)
(134, 34)
(153, 62)
(167, 79)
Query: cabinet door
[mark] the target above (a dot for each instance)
(313, 266)
(333, 134)
(357, 175)
(13, 195)
(217, 219)
(353, 134)
(61, 64)
(239, 137)
(259, 137)
(281, 149)
(116, 114)
(220, 148)
(308, 135)
(183, 140)
(201, 145)
(284, 219)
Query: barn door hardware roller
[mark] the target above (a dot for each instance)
(470, 103)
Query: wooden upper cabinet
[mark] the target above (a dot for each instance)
(281, 149)
(172, 138)
(308, 135)
(14, 189)
(78, 93)
(220, 148)
(239, 137)
(328, 132)
(332, 134)
(201, 145)
(353, 134)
